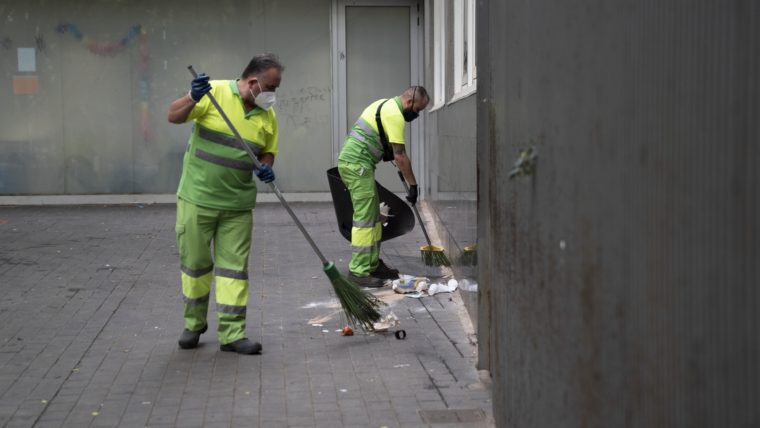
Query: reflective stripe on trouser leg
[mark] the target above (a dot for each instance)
(232, 246)
(364, 258)
(196, 308)
(195, 227)
(367, 230)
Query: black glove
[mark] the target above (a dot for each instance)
(265, 173)
(199, 87)
(411, 196)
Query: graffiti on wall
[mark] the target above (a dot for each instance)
(298, 109)
(136, 33)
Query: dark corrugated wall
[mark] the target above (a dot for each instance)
(619, 283)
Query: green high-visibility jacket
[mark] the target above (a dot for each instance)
(363, 146)
(216, 171)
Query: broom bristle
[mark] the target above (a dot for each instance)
(469, 256)
(442, 260)
(434, 258)
(361, 307)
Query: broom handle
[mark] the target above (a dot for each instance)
(257, 164)
(414, 207)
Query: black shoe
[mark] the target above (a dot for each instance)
(189, 339)
(382, 271)
(242, 346)
(385, 266)
(365, 281)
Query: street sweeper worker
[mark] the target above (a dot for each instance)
(378, 135)
(217, 193)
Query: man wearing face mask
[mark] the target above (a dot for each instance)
(377, 135)
(217, 193)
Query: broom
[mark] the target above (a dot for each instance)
(432, 255)
(470, 255)
(359, 306)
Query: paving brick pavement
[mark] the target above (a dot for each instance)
(91, 311)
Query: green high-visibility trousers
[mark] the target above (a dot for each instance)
(366, 231)
(230, 232)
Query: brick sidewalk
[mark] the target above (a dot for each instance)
(91, 312)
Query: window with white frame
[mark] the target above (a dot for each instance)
(439, 53)
(465, 72)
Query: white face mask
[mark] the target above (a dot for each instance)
(264, 100)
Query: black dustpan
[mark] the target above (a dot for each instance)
(401, 222)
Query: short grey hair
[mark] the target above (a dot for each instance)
(261, 63)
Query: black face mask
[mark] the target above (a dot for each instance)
(410, 115)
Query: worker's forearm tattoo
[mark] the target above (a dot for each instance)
(398, 149)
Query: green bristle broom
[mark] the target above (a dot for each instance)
(359, 306)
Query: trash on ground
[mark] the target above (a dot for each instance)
(417, 287)
(410, 284)
(415, 295)
(468, 285)
(347, 331)
(386, 322)
(450, 287)
(332, 303)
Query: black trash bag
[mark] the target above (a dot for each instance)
(401, 222)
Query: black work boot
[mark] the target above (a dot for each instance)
(365, 281)
(242, 346)
(189, 339)
(386, 267)
(382, 271)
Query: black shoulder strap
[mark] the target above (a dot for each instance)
(387, 151)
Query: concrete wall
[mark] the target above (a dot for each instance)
(620, 281)
(97, 121)
(452, 171)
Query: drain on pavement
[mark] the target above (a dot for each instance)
(452, 416)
